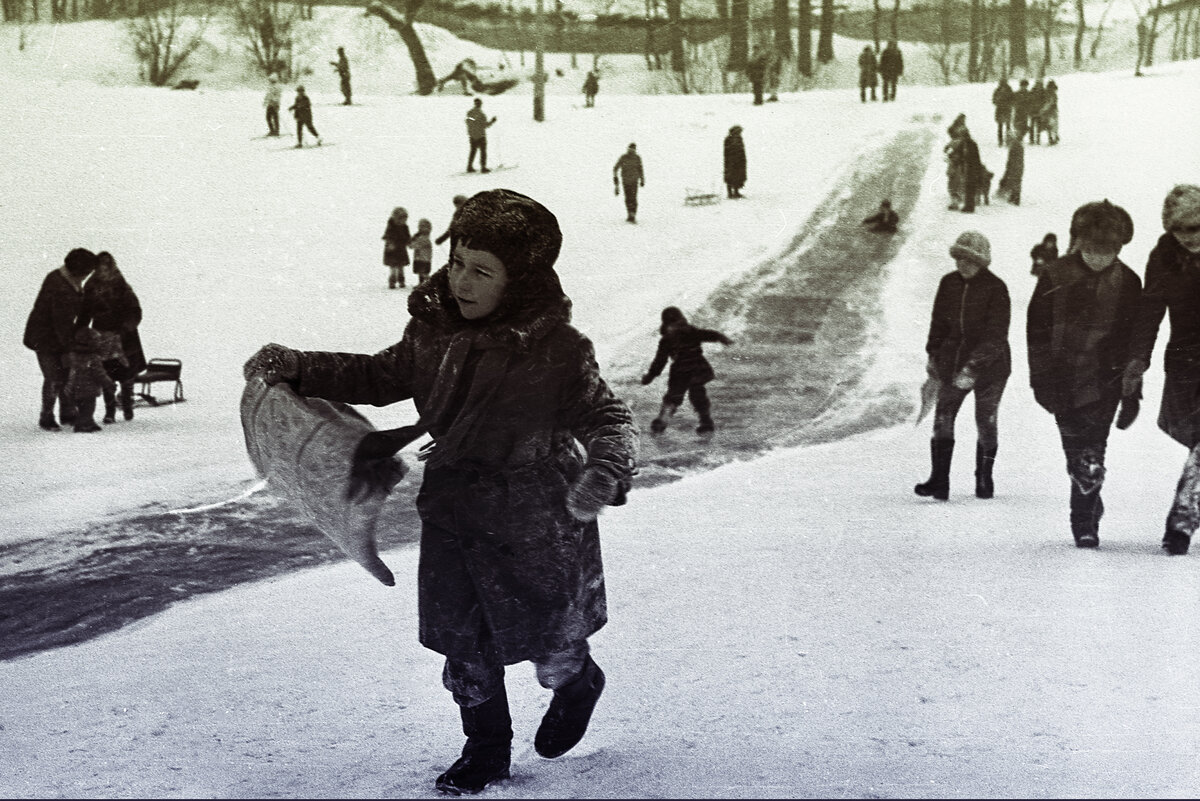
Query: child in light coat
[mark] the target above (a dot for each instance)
(422, 248)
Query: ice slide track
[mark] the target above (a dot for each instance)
(801, 321)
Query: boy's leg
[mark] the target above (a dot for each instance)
(987, 408)
(483, 167)
(1184, 517)
(478, 688)
(577, 682)
(698, 396)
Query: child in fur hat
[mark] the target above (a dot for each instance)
(690, 371)
(1042, 254)
(1079, 332)
(510, 566)
(1173, 285)
(968, 352)
(87, 378)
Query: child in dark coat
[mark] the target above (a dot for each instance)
(885, 220)
(1042, 254)
(1014, 171)
(301, 109)
(510, 567)
(87, 378)
(690, 371)
(396, 240)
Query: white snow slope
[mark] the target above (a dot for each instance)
(800, 625)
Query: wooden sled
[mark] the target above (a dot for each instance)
(700, 197)
(303, 447)
(160, 371)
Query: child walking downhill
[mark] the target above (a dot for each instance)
(681, 343)
(509, 568)
(87, 378)
(396, 240)
(422, 248)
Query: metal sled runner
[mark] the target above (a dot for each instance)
(160, 371)
(700, 197)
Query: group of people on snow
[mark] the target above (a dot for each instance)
(1091, 326)
(84, 330)
(1029, 110)
(397, 241)
(888, 66)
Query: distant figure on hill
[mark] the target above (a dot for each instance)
(1037, 96)
(955, 170)
(458, 201)
(975, 175)
(735, 162)
(1014, 171)
(301, 109)
(1043, 254)
(628, 175)
(342, 66)
(1020, 107)
(422, 248)
(271, 102)
(891, 67)
(868, 76)
(884, 221)
(591, 85)
(1002, 99)
(681, 343)
(1049, 115)
(396, 240)
(756, 72)
(477, 125)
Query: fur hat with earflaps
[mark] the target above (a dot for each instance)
(974, 246)
(1181, 206)
(1102, 223)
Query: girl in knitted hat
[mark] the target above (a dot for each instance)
(1173, 286)
(510, 565)
(681, 343)
(968, 352)
(1079, 331)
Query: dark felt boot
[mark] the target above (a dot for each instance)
(487, 754)
(127, 400)
(48, 423)
(985, 458)
(566, 721)
(1086, 511)
(1176, 542)
(941, 452)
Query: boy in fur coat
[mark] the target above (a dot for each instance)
(510, 566)
(87, 378)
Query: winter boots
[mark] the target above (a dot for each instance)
(985, 458)
(110, 407)
(1086, 511)
(706, 424)
(1176, 542)
(47, 422)
(659, 424)
(127, 400)
(566, 720)
(486, 756)
(938, 486)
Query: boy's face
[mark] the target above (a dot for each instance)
(1187, 233)
(967, 268)
(477, 281)
(1098, 255)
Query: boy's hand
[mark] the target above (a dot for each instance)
(273, 363)
(590, 493)
(374, 467)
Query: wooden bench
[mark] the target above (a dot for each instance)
(158, 371)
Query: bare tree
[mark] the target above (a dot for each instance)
(825, 38)
(266, 27)
(1016, 34)
(401, 21)
(739, 35)
(804, 39)
(896, 21)
(1099, 30)
(944, 53)
(783, 28)
(1152, 35)
(675, 33)
(1045, 20)
(1080, 27)
(875, 17)
(973, 42)
(165, 33)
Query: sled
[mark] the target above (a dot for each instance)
(160, 371)
(303, 447)
(700, 197)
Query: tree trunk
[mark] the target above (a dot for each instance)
(402, 24)
(896, 21)
(1080, 27)
(783, 29)
(739, 35)
(675, 20)
(875, 17)
(1152, 38)
(825, 38)
(1016, 34)
(804, 39)
(1051, 8)
(973, 44)
(723, 10)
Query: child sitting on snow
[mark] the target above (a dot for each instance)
(885, 220)
(87, 378)
(422, 248)
(690, 371)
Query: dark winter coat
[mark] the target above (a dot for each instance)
(86, 376)
(735, 161)
(756, 69)
(972, 166)
(396, 239)
(591, 84)
(1002, 99)
(1020, 107)
(302, 109)
(112, 305)
(867, 68)
(1040, 256)
(968, 328)
(1173, 288)
(884, 220)
(1014, 171)
(1037, 96)
(1078, 331)
(681, 343)
(629, 168)
(50, 327)
(891, 63)
(503, 564)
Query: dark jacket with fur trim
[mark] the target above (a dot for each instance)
(503, 566)
(1173, 288)
(969, 327)
(1078, 332)
(51, 323)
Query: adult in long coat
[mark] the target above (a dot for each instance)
(735, 162)
(1173, 288)
(1079, 331)
(756, 72)
(510, 565)
(1002, 99)
(972, 169)
(868, 76)
(111, 307)
(891, 67)
(968, 352)
(50, 331)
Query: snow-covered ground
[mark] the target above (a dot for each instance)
(799, 625)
